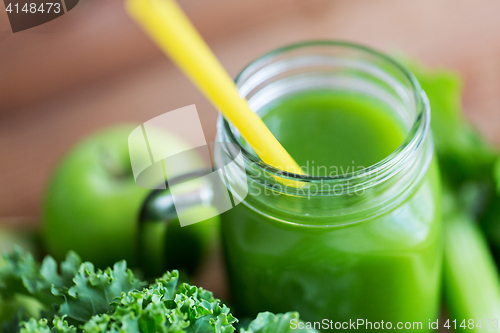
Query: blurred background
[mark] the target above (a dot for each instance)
(93, 67)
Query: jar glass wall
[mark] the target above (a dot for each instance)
(364, 244)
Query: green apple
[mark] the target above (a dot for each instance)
(92, 203)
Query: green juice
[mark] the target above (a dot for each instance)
(383, 267)
(331, 134)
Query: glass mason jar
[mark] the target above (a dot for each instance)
(363, 245)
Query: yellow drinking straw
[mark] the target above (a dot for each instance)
(169, 27)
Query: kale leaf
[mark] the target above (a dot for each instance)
(74, 298)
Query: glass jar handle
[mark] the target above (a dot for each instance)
(159, 210)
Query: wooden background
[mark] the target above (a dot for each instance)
(92, 68)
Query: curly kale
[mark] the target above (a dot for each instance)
(75, 297)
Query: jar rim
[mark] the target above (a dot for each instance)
(381, 169)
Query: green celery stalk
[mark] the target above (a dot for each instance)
(471, 282)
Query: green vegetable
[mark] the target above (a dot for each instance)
(471, 281)
(267, 322)
(82, 299)
(11, 236)
(472, 286)
(467, 162)
(26, 286)
(42, 326)
(496, 174)
(78, 291)
(93, 292)
(164, 308)
(463, 153)
(92, 204)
